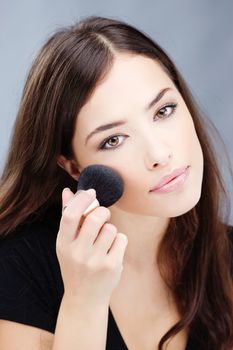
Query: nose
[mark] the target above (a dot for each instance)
(157, 152)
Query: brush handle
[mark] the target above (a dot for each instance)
(91, 207)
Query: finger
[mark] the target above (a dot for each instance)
(67, 194)
(71, 215)
(118, 247)
(91, 226)
(105, 239)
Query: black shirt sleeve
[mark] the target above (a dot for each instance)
(31, 286)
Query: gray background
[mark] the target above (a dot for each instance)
(198, 36)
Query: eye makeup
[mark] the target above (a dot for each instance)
(102, 146)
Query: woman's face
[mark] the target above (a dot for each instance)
(152, 142)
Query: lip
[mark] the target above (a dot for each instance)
(165, 180)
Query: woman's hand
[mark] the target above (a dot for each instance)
(90, 258)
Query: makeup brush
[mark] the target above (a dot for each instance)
(108, 184)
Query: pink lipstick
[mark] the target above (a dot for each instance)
(173, 181)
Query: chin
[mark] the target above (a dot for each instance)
(185, 207)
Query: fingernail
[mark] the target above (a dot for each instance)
(91, 191)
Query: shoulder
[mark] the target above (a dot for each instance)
(31, 236)
(31, 248)
(30, 277)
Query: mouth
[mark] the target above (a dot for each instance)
(172, 181)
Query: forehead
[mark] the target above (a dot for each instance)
(130, 84)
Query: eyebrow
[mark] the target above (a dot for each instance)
(122, 122)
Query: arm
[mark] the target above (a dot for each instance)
(90, 273)
(91, 265)
(81, 325)
(78, 327)
(14, 335)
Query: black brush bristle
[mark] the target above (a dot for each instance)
(106, 181)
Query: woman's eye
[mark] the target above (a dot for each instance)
(112, 141)
(166, 111)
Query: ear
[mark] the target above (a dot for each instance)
(69, 165)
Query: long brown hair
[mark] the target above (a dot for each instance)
(195, 254)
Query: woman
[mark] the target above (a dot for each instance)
(153, 271)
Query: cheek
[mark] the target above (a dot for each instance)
(136, 197)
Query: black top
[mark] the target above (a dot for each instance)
(31, 285)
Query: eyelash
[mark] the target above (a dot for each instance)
(105, 141)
